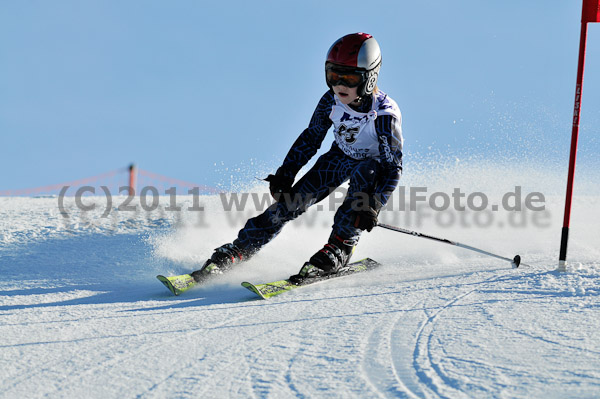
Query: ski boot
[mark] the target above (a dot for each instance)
(329, 260)
(221, 260)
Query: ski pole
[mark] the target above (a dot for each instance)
(515, 262)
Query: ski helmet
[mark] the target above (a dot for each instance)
(356, 53)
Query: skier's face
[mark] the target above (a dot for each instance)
(346, 94)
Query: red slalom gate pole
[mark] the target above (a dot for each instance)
(590, 13)
(132, 179)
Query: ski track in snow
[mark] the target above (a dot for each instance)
(83, 315)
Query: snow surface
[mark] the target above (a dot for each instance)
(82, 314)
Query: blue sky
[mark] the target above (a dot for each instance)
(188, 88)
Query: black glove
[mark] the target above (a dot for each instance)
(365, 217)
(280, 185)
(365, 220)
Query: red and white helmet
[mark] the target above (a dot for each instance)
(357, 53)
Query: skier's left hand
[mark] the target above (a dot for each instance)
(365, 219)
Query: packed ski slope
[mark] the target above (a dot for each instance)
(83, 315)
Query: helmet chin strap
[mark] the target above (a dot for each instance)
(360, 99)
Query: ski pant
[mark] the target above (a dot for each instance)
(329, 172)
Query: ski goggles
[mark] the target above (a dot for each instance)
(349, 79)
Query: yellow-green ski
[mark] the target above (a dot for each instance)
(178, 284)
(266, 291)
(269, 290)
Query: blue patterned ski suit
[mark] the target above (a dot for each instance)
(367, 150)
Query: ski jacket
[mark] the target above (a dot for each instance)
(371, 131)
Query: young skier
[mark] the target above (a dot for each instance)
(367, 150)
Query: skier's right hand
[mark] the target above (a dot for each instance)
(279, 185)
